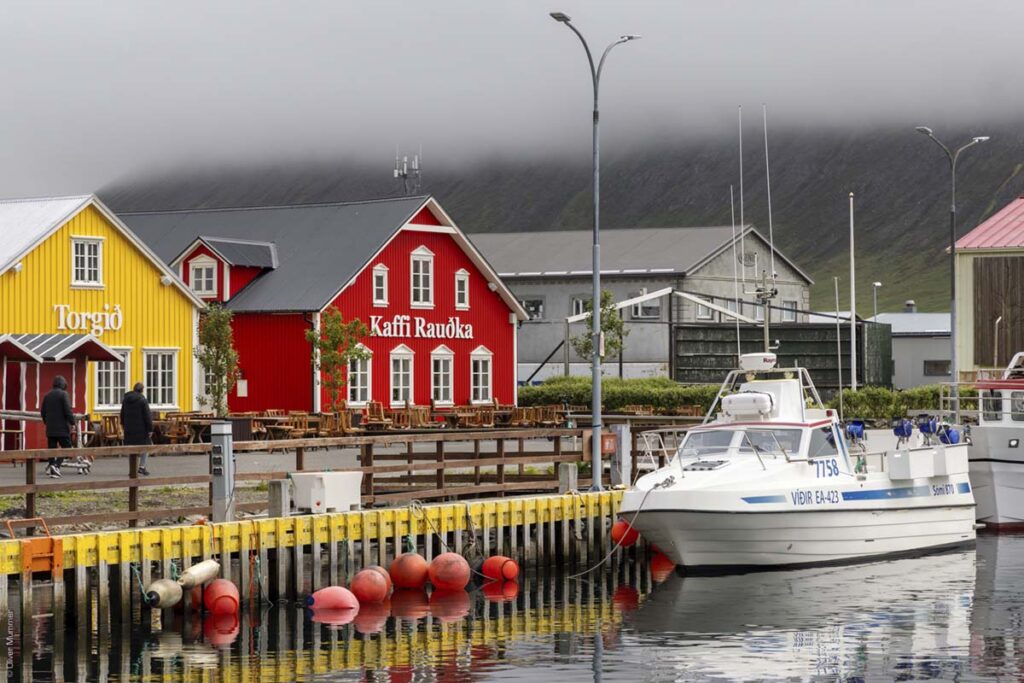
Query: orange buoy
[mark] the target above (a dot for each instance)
(334, 617)
(221, 597)
(626, 598)
(221, 630)
(661, 567)
(384, 573)
(333, 598)
(500, 568)
(449, 605)
(369, 586)
(409, 570)
(449, 571)
(372, 617)
(501, 591)
(623, 534)
(408, 603)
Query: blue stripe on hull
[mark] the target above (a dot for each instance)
(765, 499)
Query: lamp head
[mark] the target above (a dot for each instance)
(876, 284)
(630, 36)
(982, 138)
(561, 16)
(924, 129)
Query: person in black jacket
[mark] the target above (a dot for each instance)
(58, 418)
(137, 421)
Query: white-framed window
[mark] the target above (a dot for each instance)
(480, 367)
(160, 374)
(579, 305)
(87, 261)
(209, 379)
(534, 307)
(730, 304)
(422, 280)
(401, 376)
(380, 285)
(789, 312)
(645, 310)
(462, 289)
(112, 380)
(441, 375)
(202, 276)
(755, 311)
(359, 379)
(705, 312)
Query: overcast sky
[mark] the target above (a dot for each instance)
(95, 92)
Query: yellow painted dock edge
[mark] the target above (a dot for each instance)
(173, 543)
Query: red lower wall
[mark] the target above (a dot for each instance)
(276, 362)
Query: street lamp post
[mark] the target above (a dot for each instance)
(595, 74)
(874, 297)
(952, 156)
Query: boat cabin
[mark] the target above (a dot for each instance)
(1002, 400)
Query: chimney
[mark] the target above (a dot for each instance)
(910, 306)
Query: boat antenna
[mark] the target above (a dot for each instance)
(743, 222)
(839, 350)
(768, 181)
(853, 308)
(735, 278)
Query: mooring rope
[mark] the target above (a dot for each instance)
(142, 587)
(416, 508)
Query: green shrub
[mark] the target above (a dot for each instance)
(660, 392)
(878, 403)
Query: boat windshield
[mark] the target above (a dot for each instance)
(762, 440)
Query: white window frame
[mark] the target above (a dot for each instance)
(445, 355)
(155, 389)
(543, 304)
(421, 255)
(757, 312)
(202, 263)
(705, 312)
(126, 353)
(87, 241)
(578, 305)
(481, 353)
(401, 352)
(368, 363)
(789, 310)
(381, 271)
(462, 280)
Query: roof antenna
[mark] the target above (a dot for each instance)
(405, 171)
(743, 223)
(735, 277)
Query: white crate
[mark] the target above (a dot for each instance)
(914, 464)
(326, 491)
(950, 460)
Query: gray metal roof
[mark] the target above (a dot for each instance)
(52, 347)
(905, 324)
(244, 252)
(24, 221)
(320, 246)
(633, 251)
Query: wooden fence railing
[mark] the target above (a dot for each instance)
(459, 463)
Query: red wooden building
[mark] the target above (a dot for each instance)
(443, 325)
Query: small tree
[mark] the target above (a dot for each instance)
(217, 358)
(333, 347)
(611, 324)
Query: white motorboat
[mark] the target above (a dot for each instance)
(997, 451)
(769, 481)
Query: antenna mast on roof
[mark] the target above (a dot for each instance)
(407, 171)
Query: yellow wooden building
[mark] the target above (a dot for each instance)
(76, 288)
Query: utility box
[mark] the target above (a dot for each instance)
(906, 464)
(327, 491)
(222, 471)
(622, 454)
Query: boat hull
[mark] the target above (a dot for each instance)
(997, 476)
(717, 541)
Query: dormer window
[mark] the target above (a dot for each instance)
(380, 285)
(462, 290)
(202, 276)
(422, 280)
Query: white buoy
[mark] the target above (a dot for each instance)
(199, 574)
(164, 593)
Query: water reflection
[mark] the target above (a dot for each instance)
(958, 616)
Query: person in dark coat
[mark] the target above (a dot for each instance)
(137, 422)
(59, 419)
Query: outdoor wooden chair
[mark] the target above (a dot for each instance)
(520, 417)
(401, 418)
(548, 416)
(483, 417)
(328, 426)
(273, 412)
(258, 428)
(111, 432)
(298, 426)
(345, 424)
(375, 418)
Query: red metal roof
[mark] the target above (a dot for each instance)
(1003, 230)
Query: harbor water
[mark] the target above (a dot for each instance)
(957, 616)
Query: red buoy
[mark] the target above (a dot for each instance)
(409, 570)
(449, 571)
(221, 597)
(500, 568)
(369, 586)
(407, 603)
(221, 630)
(626, 598)
(448, 606)
(384, 573)
(501, 591)
(373, 617)
(333, 598)
(623, 534)
(334, 617)
(661, 567)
